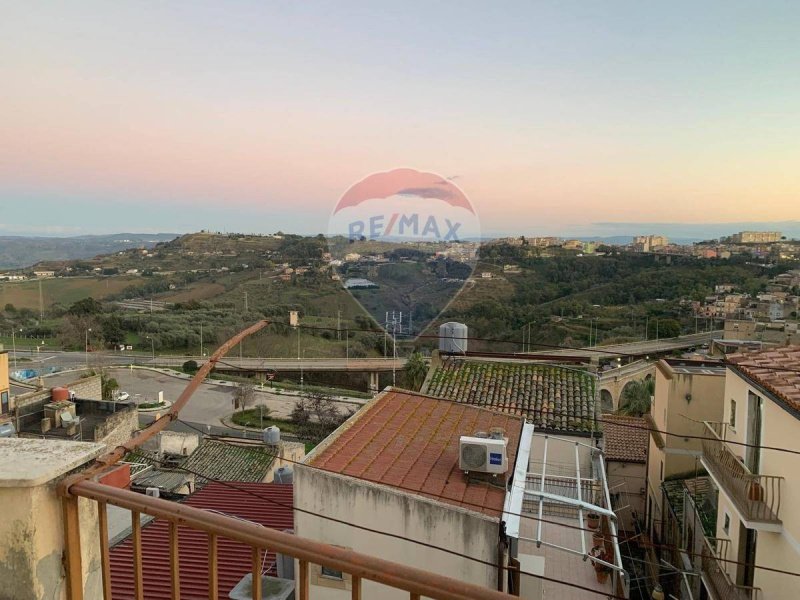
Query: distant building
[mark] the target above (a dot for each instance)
(756, 237)
(352, 257)
(359, 283)
(44, 274)
(572, 245)
(648, 243)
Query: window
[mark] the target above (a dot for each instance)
(332, 573)
(727, 525)
(661, 469)
(732, 416)
(3, 402)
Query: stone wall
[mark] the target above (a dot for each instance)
(117, 428)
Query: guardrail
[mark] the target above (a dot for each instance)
(758, 497)
(416, 582)
(717, 578)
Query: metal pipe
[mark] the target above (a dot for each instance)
(111, 458)
(410, 579)
(575, 552)
(580, 499)
(572, 502)
(541, 498)
(612, 521)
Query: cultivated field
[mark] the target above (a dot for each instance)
(25, 294)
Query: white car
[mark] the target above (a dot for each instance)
(122, 396)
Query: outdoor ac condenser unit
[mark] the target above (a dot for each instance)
(483, 455)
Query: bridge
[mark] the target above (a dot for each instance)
(641, 349)
(613, 381)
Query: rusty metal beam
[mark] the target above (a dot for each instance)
(110, 458)
(303, 591)
(410, 579)
(213, 566)
(256, 574)
(138, 582)
(174, 562)
(72, 548)
(356, 588)
(105, 565)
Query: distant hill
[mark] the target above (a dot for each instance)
(17, 252)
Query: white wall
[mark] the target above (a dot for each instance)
(391, 511)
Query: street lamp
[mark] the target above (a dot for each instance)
(14, 345)
(153, 347)
(86, 348)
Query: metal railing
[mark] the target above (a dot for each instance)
(417, 582)
(758, 497)
(716, 577)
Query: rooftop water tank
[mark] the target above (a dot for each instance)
(271, 435)
(453, 338)
(60, 394)
(283, 475)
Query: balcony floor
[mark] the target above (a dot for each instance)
(561, 565)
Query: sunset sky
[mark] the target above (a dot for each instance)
(257, 116)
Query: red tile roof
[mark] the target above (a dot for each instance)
(759, 367)
(234, 557)
(411, 442)
(625, 439)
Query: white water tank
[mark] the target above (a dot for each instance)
(271, 435)
(453, 338)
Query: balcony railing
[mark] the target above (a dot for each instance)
(758, 497)
(716, 577)
(416, 582)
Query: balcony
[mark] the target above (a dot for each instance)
(757, 497)
(716, 578)
(415, 582)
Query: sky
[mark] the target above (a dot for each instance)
(258, 116)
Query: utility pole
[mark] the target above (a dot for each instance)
(201, 340)
(245, 302)
(339, 325)
(41, 302)
(14, 346)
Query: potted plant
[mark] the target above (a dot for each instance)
(601, 571)
(592, 520)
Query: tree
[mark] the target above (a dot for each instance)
(87, 306)
(190, 366)
(416, 370)
(316, 416)
(635, 398)
(108, 386)
(244, 394)
(663, 328)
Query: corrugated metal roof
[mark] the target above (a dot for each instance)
(411, 442)
(234, 557)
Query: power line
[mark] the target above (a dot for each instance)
(378, 532)
(529, 356)
(476, 505)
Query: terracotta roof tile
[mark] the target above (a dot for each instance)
(626, 439)
(553, 398)
(411, 442)
(760, 365)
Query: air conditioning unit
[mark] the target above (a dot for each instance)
(153, 492)
(482, 455)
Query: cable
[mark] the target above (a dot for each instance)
(521, 515)
(527, 355)
(393, 535)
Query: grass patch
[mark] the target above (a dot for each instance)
(152, 405)
(252, 418)
(25, 294)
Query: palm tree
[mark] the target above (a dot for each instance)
(635, 400)
(416, 369)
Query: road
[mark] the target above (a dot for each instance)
(74, 360)
(208, 405)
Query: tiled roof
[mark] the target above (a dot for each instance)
(228, 462)
(273, 509)
(626, 439)
(411, 442)
(553, 398)
(759, 367)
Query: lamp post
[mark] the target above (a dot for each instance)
(14, 345)
(86, 347)
(152, 347)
